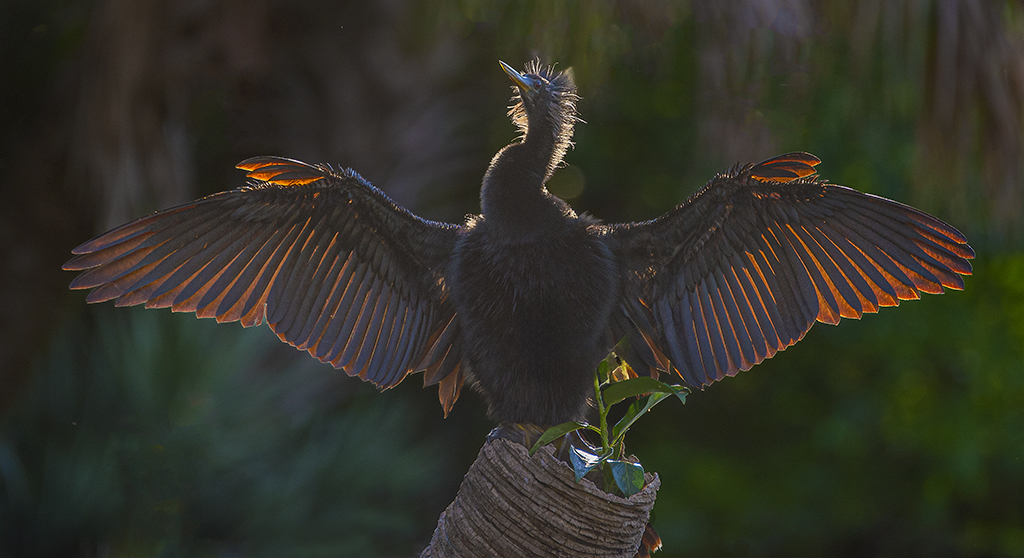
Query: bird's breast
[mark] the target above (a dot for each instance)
(571, 274)
(550, 297)
(533, 318)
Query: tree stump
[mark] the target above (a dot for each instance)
(511, 504)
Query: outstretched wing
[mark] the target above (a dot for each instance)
(745, 267)
(335, 267)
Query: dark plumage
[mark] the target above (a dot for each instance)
(525, 299)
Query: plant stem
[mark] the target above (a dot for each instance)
(603, 414)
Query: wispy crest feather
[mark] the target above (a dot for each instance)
(563, 115)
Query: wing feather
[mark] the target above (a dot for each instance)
(328, 277)
(392, 330)
(338, 334)
(759, 328)
(709, 364)
(766, 282)
(243, 245)
(723, 327)
(745, 267)
(314, 300)
(330, 262)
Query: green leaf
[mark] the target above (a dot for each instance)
(681, 394)
(602, 371)
(629, 477)
(639, 386)
(582, 462)
(608, 485)
(636, 410)
(557, 432)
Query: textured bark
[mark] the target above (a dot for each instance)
(510, 504)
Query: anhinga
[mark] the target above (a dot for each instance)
(525, 299)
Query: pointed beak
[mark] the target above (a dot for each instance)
(517, 78)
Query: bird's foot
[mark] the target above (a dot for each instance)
(520, 433)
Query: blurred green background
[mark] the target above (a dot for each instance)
(126, 432)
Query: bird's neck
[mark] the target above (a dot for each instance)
(513, 199)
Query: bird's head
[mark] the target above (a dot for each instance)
(544, 98)
(544, 109)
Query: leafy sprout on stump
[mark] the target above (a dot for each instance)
(611, 387)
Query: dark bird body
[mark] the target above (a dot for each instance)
(525, 299)
(543, 327)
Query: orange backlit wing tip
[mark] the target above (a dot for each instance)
(448, 389)
(649, 543)
(784, 168)
(281, 171)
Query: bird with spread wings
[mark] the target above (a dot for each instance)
(525, 299)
